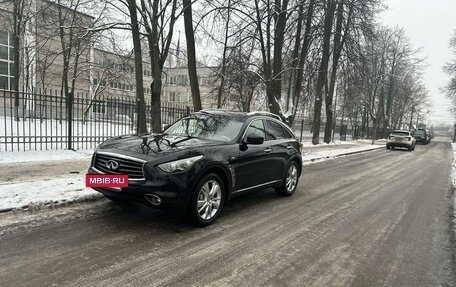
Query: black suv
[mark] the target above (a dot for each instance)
(422, 136)
(201, 161)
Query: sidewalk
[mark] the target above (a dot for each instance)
(32, 180)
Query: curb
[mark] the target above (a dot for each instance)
(342, 154)
(35, 206)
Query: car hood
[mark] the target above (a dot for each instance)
(156, 144)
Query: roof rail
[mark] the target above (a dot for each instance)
(214, 109)
(259, 113)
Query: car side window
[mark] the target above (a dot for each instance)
(256, 127)
(288, 134)
(274, 131)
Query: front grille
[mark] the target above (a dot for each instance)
(130, 166)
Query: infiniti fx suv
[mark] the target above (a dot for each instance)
(201, 161)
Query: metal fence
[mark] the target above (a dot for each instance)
(31, 121)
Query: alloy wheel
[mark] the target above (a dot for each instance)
(292, 178)
(209, 199)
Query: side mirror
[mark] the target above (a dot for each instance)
(254, 139)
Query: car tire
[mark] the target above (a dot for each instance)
(290, 181)
(207, 200)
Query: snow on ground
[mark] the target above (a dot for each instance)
(37, 193)
(28, 156)
(327, 151)
(44, 192)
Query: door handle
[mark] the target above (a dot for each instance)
(289, 147)
(268, 150)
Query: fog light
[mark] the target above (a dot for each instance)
(153, 199)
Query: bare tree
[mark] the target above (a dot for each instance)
(270, 20)
(158, 19)
(450, 69)
(330, 7)
(135, 32)
(224, 56)
(191, 54)
(298, 74)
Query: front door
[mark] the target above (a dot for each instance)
(253, 167)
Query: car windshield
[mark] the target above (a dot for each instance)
(212, 127)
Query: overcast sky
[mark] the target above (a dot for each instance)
(429, 24)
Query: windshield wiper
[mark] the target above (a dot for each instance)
(158, 139)
(186, 138)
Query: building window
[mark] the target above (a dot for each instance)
(172, 97)
(6, 61)
(99, 107)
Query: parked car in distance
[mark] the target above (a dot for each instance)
(201, 161)
(401, 138)
(422, 136)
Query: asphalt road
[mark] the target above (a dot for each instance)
(380, 218)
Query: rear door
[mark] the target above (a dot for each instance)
(283, 145)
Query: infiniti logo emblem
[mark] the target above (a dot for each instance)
(112, 165)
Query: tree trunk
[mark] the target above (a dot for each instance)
(192, 74)
(294, 63)
(304, 51)
(18, 16)
(141, 127)
(339, 41)
(279, 36)
(225, 49)
(323, 70)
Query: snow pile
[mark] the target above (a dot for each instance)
(325, 151)
(44, 192)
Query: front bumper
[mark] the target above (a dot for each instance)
(174, 190)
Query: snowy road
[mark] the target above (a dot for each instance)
(380, 218)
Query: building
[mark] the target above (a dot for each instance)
(176, 88)
(99, 73)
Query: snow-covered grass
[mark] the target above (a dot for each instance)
(28, 156)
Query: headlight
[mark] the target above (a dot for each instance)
(179, 165)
